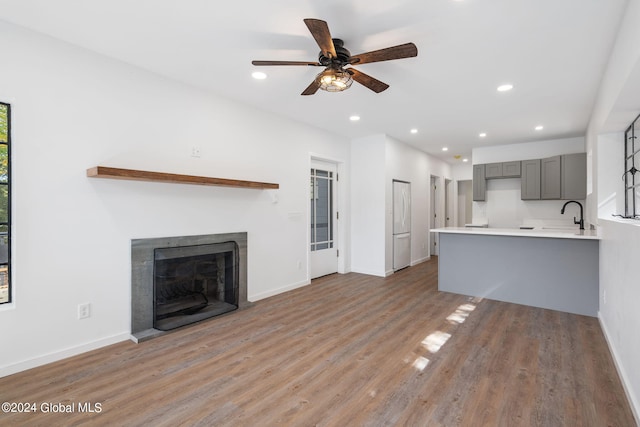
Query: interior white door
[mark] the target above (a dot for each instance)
(448, 203)
(323, 258)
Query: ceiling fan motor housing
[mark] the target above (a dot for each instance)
(343, 55)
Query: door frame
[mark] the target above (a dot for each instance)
(434, 215)
(340, 203)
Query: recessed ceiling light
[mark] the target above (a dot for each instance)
(465, 160)
(354, 118)
(482, 135)
(258, 75)
(505, 87)
(414, 130)
(539, 127)
(445, 149)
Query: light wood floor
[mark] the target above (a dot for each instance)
(348, 350)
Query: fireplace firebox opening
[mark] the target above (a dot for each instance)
(192, 283)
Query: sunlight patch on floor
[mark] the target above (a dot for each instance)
(434, 341)
(461, 313)
(420, 363)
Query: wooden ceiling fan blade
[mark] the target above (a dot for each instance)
(312, 88)
(407, 50)
(366, 80)
(314, 64)
(320, 32)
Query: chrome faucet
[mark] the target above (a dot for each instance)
(581, 222)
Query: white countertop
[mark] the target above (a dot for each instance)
(554, 233)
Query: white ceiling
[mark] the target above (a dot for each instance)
(554, 52)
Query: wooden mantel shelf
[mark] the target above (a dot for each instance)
(136, 175)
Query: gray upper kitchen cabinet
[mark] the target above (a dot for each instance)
(479, 183)
(554, 178)
(510, 169)
(574, 176)
(550, 178)
(493, 170)
(530, 184)
(502, 170)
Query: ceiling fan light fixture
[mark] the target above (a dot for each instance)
(334, 80)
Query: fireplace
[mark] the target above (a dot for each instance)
(177, 281)
(191, 283)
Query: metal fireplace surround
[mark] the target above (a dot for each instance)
(142, 276)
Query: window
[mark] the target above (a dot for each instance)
(631, 158)
(5, 203)
(321, 209)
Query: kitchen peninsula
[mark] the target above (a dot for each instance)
(555, 269)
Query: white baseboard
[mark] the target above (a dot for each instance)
(370, 272)
(415, 262)
(62, 354)
(420, 261)
(263, 295)
(633, 401)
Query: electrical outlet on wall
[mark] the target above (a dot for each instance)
(84, 311)
(195, 151)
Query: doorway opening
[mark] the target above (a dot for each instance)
(465, 203)
(433, 217)
(448, 203)
(323, 258)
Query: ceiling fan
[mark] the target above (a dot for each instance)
(335, 57)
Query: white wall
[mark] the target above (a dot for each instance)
(73, 109)
(405, 163)
(503, 207)
(528, 150)
(462, 172)
(620, 246)
(609, 172)
(375, 162)
(619, 296)
(404, 160)
(368, 205)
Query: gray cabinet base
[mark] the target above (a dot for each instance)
(558, 274)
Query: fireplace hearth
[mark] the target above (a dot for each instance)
(177, 281)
